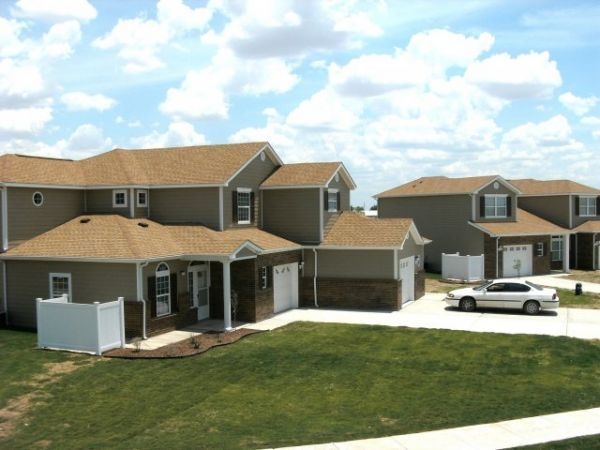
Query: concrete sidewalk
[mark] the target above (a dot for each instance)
(559, 281)
(507, 434)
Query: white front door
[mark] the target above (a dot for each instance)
(407, 276)
(285, 287)
(198, 279)
(517, 261)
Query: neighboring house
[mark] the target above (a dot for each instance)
(182, 234)
(475, 216)
(570, 205)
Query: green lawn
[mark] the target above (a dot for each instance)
(305, 383)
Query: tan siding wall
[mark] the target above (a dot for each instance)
(25, 220)
(554, 209)
(364, 264)
(100, 201)
(191, 205)
(292, 214)
(411, 248)
(251, 177)
(140, 212)
(442, 219)
(28, 280)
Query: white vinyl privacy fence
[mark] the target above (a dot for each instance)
(464, 268)
(86, 327)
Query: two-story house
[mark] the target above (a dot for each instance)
(182, 234)
(475, 216)
(570, 205)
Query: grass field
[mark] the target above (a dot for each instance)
(305, 383)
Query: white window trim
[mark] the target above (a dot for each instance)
(167, 274)
(33, 199)
(588, 207)
(137, 198)
(496, 215)
(114, 198)
(264, 277)
(244, 191)
(329, 192)
(53, 275)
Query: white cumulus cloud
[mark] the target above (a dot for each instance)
(55, 10)
(578, 105)
(179, 134)
(531, 75)
(81, 101)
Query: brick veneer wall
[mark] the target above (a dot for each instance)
(352, 294)
(541, 265)
(133, 319)
(419, 284)
(156, 325)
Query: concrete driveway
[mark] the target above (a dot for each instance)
(432, 312)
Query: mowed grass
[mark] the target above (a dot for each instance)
(309, 383)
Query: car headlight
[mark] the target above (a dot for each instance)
(450, 295)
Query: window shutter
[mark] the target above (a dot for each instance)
(339, 204)
(325, 200)
(174, 302)
(252, 208)
(598, 206)
(152, 295)
(234, 206)
(482, 206)
(509, 206)
(577, 206)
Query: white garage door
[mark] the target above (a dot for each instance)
(516, 260)
(285, 287)
(407, 275)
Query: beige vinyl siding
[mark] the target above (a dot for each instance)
(100, 201)
(28, 280)
(555, 209)
(362, 264)
(489, 190)
(250, 177)
(185, 205)
(1, 222)
(443, 219)
(344, 199)
(293, 214)
(411, 248)
(141, 211)
(25, 220)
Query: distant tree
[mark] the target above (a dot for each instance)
(373, 208)
(357, 208)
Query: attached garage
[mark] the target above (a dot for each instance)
(517, 260)
(285, 287)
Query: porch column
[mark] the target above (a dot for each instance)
(227, 294)
(566, 253)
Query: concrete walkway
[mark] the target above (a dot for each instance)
(507, 434)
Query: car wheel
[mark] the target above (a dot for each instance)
(467, 304)
(532, 307)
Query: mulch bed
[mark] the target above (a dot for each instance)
(188, 347)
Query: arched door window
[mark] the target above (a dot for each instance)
(163, 290)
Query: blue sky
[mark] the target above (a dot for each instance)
(394, 89)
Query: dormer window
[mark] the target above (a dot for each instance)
(587, 206)
(495, 206)
(333, 200)
(243, 199)
(120, 198)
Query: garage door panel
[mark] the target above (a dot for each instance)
(285, 287)
(407, 276)
(517, 260)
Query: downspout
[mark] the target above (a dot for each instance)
(315, 279)
(5, 292)
(4, 218)
(497, 255)
(140, 295)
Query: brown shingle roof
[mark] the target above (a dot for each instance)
(201, 165)
(113, 237)
(307, 174)
(439, 185)
(552, 187)
(591, 226)
(526, 224)
(350, 229)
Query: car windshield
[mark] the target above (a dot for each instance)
(483, 286)
(535, 286)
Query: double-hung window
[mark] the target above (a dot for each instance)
(495, 206)
(120, 198)
(557, 248)
(332, 200)
(163, 290)
(142, 198)
(244, 205)
(587, 206)
(60, 283)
